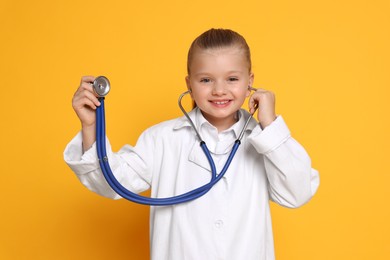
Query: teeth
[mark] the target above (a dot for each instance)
(220, 102)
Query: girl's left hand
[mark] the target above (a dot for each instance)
(265, 101)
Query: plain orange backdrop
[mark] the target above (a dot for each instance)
(327, 61)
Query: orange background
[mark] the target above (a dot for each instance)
(327, 61)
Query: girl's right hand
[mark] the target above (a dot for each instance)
(84, 102)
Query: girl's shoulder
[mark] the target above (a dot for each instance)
(176, 129)
(167, 127)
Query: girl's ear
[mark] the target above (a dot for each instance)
(189, 84)
(250, 84)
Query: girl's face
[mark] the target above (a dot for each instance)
(219, 80)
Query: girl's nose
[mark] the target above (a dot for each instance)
(219, 88)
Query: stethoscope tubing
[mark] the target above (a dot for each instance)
(101, 86)
(125, 193)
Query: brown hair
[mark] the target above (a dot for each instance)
(216, 39)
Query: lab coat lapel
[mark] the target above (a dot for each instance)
(198, 157)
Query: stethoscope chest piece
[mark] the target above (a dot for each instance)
(101, 86)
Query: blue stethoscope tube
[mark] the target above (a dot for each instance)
(125, 193)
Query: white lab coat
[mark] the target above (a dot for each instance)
(232, 221)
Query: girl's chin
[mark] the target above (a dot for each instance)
(220, 115)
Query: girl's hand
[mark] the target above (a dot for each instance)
(84, 102)
(265, 101)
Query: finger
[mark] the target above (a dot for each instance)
(262, 94)
(80, 96)
(85, 86)
(89, 103)
(253, 104)
(266, 93)
(87, 79)
(262, 90)
(83, 103)
(91, 96)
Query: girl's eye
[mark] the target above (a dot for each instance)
(233, 79)
(205, 80)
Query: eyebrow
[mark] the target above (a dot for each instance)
(228, 72)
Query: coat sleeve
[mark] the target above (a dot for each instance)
(131, 166)
(292, 181)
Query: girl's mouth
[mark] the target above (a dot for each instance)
(220, 103)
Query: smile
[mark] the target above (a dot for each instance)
(220, 103)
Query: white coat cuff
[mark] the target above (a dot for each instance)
(267, 140)
(81, 163)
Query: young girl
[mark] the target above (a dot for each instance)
(231, 221)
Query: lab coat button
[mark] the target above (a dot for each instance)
(218, 223)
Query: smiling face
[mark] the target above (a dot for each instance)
(219, 79)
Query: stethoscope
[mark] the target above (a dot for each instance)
(101, 86)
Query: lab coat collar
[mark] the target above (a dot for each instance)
(199, 120)
(197, 155)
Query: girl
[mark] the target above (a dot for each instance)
(232, 220)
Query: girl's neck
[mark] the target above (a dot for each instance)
(222, 123)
